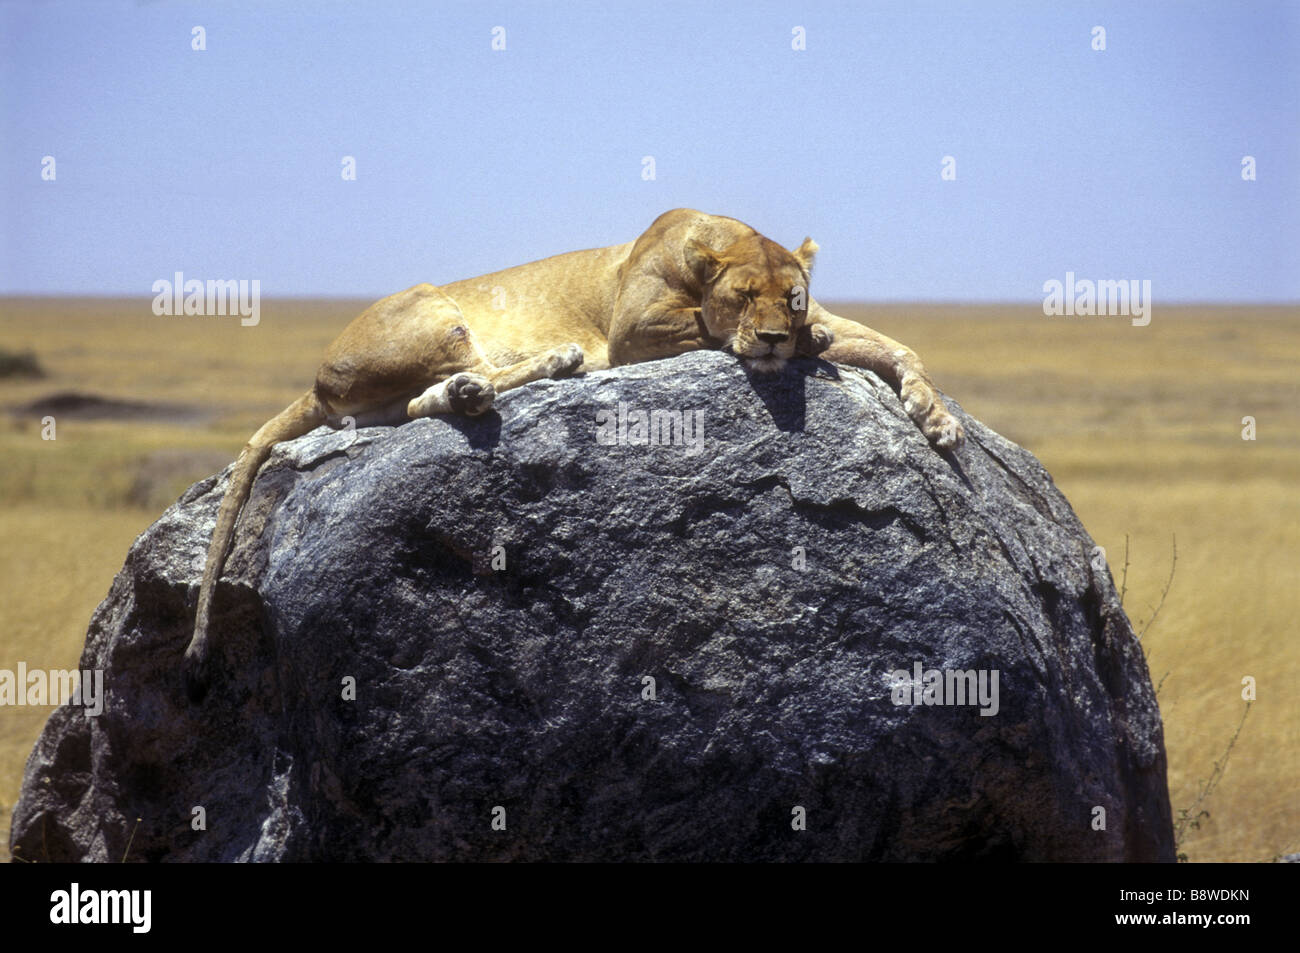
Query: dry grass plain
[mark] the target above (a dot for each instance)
(1140, 427)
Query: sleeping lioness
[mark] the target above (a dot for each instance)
(691, 281)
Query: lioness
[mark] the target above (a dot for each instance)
(691, 281)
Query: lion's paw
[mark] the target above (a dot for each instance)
(470, 394)
(945, 431)
(565, 360)
(815, 338)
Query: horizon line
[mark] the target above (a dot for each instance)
(949, 302)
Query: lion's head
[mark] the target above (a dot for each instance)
(755, 296)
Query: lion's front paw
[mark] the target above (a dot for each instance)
(565, 360)
(925, 408)
(944, 431)
(470, 394)
(813, 339)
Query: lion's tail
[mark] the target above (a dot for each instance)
(302, 416)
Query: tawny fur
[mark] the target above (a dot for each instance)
(690, 282)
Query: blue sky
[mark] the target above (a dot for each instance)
(225, 163)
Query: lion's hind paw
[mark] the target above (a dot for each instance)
(470, 394)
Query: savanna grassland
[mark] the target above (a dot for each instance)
(1140, 427)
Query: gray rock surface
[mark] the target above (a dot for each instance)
(769, 584)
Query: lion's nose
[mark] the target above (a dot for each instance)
(771, 337)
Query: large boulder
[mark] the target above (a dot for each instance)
(621, 651)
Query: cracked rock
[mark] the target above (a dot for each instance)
(546, 634)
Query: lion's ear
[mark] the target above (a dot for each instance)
(705, 263)
(805, 254)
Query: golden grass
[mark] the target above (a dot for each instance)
(1140, 427)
